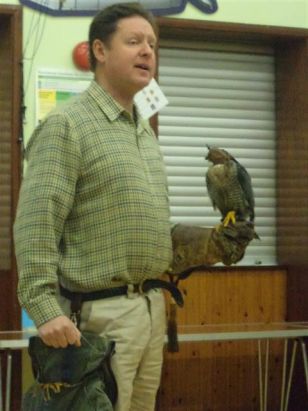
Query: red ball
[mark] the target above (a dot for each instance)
(81, 56)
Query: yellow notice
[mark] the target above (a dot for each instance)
(47, 101)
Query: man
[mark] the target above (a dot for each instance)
(92, 231)
(93, 213)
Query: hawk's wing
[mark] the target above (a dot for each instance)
(244, 180)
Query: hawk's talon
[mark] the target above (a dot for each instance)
(229, 217)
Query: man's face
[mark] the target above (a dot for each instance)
(129, 61)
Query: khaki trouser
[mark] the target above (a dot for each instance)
(137, 325)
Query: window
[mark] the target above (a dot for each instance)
(226, 99)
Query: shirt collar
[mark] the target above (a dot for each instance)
(105, 101)
(112, 109)
(143, 125)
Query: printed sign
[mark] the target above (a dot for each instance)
(150, 100)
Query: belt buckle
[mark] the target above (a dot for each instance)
(131, 291)
(134, 290)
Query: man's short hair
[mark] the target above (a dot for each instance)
(104, 24)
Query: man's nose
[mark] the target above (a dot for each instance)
(147, 48)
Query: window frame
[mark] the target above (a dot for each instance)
(185, 172)
(290, 49)
(291, 60)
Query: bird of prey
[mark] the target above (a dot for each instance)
(229, 187)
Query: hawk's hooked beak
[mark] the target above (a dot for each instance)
(209, 148)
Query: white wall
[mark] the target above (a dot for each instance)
(49, 41)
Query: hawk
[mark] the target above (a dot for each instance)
(229, 187)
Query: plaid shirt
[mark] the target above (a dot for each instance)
(93, 210)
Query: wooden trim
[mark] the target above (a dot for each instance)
(17, 105)
(292, 171)
(16, 143)
(6, 9)
(230, 47)
(13, 16)
(215, 31)
(16, 166)
(11, 312)
(292, 148)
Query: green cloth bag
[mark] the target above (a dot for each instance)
(72, 378)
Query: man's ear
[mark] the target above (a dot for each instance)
(99, 50)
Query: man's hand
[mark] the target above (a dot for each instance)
(233, 239)
(60, 332)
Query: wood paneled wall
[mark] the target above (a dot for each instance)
(292, 191)
(223, 376)
(10, 130)
(292, 172)
(10, 118)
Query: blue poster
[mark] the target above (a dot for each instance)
(26, 321)
(90, 7)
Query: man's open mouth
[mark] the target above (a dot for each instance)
(143, 67)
